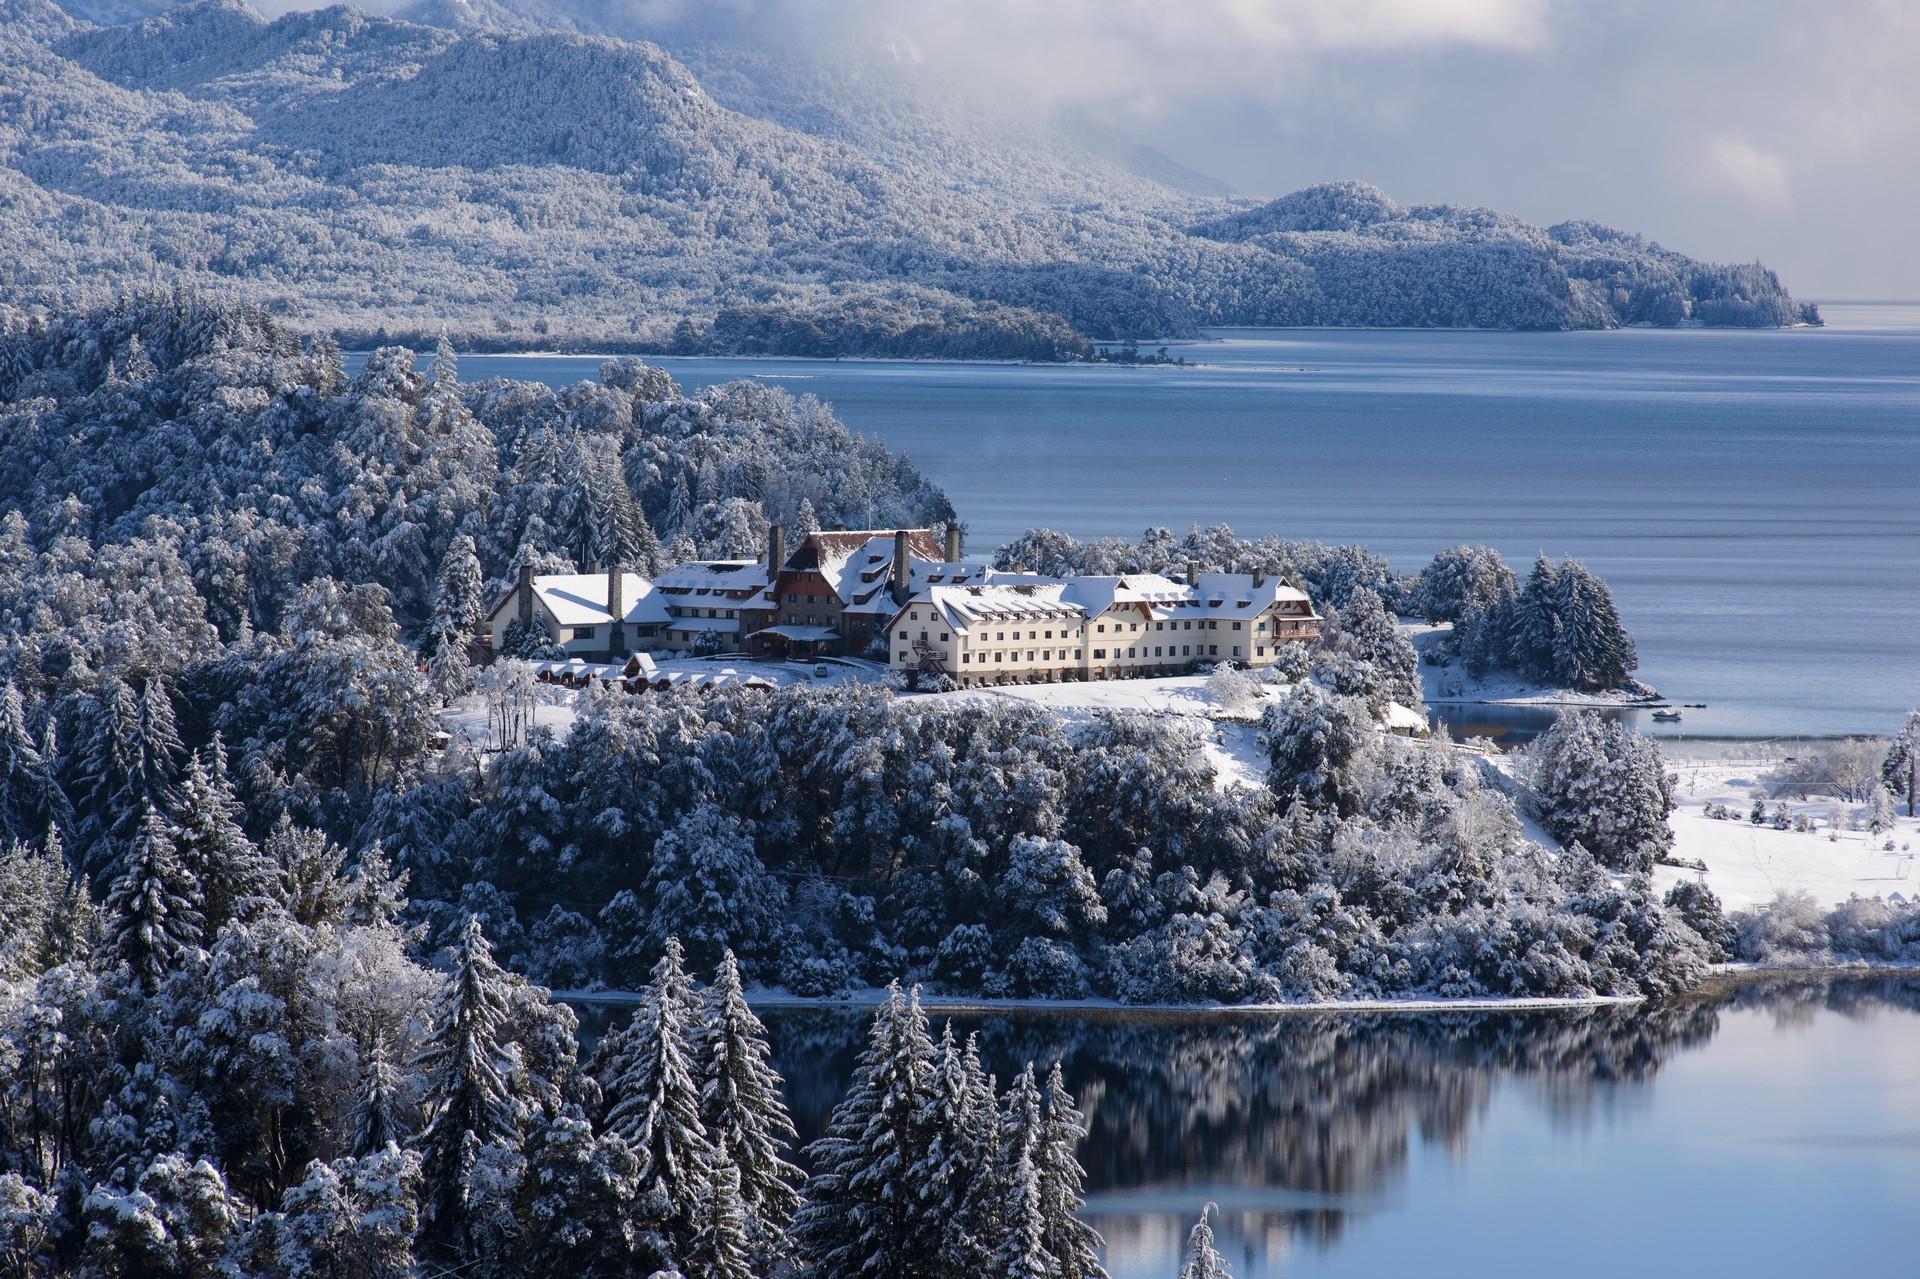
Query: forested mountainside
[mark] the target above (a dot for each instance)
(364, 175)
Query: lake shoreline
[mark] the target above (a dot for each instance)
(1722, 978)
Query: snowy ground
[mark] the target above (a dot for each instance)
(1450, 684)
(1229, 736)
(1747, 864)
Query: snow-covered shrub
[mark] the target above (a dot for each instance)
(1791, 928)
(1042, 968)
(1603, 786)
(1291, 662)
(1700, 908)
(564, 950)
(1231, 687)
(965, 960)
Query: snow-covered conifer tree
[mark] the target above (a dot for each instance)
(230, 870)
(653, 1101)
(30, 794)
(720, 1247)
(1071, 1242)
(859, 1216)
(153, 915)
(1901, 770)
(1203, 1261)
(742, 1110)
(465, 1063)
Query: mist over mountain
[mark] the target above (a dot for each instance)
(528, 172)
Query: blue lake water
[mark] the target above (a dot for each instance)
(1752, 497)
(1771, 1132)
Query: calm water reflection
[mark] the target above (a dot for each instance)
(1772, 1131)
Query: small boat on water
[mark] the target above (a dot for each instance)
(1668, 716)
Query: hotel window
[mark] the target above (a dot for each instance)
(1156, 651)
(943, 637)
(1213, 650)
(903, 657)
(903, 634)
(1102, 628)
(583, 632)
(1100, 654)
(1236, 626)
(1186, 650)
(966, 657)
(1236, 650)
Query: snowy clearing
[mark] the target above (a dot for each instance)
(1451, 685)
(1748, 865)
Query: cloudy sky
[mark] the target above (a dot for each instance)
(1784, 130)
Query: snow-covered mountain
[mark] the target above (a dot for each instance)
(716, 185)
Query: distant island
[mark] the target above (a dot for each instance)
(526, 188)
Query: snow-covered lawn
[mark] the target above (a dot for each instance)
(1747, 864)
(1450, 684)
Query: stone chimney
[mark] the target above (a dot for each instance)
(953, 543)
(776, 549)
(1259, 578)
(902, 568)
(526, 593)
(617, 609)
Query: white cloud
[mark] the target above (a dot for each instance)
(1749, 170)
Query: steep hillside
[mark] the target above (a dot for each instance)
(533, 187)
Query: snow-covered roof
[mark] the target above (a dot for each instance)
(580, 599)
(1405, 718)
(696, 577)
(1004, 596)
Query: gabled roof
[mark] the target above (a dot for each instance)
(580, 599)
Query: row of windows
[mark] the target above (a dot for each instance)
(1099, 654)
(1205, 624)
(706, 612)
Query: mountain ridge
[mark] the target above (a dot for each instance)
(383, 178)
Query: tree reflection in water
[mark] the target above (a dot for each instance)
(1297, 1123)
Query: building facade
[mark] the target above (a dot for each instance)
(1022, 628)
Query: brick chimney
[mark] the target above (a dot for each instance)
(953, 543)
(526, 593)
(902, 567)
(776, 549)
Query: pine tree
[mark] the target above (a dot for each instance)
(231, 871)
(581, 1206)
(653, 1102)
(720, 1247)
(1071, 1242)
(153, 917)
(465, 1063)
(1901, 771)
(1022, 1251)
(1202, 1261)
(804, 520)
(742, 1111)
(46, 916)
(859, 1215)
(376, 1124)
(129, 753)
(1532, 627)
(458, 610)
(952, 1165)
(30, 796)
